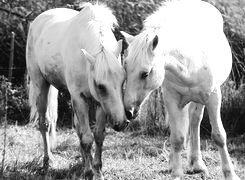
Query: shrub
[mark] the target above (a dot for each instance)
(18, 110)
(232, 110)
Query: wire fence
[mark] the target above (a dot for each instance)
(13, 68)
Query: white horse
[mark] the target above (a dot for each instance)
(76, 51)
(183, 49)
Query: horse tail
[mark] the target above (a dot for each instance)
(30, 85)
(32, 100)
(52, 109)
(52, 115)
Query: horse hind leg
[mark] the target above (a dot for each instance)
(38, 96)
(195, 161)
(219, 134)
(179, 123)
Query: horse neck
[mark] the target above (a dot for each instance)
(79, 33)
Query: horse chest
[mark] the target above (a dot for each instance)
(198, 92)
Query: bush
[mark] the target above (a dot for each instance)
(18, 109)
(232, 110)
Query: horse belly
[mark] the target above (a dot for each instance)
(53, 73)
(49, 56)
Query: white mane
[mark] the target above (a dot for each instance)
(140, 45)
(101, 14)
(101, 22)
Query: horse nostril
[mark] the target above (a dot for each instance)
(129, 114)
(116, 128)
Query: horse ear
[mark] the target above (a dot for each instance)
(119, 48)
(153, 44)
(90, 58)
(128, 37)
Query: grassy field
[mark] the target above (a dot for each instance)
(126, 156)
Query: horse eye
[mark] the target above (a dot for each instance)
(144, 75)
(102, 89)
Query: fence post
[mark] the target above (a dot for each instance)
(11, 59)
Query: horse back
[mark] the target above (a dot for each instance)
(43, 52)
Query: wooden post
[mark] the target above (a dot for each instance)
(11, 59)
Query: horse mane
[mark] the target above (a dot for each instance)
(141, 44)
(101, 13)
(107, 66)
(101, 21)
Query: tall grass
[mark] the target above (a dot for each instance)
(233, 108)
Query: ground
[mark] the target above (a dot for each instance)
(126, 156)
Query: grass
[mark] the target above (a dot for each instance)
(126, 156)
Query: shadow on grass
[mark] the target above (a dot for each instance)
(31, 171)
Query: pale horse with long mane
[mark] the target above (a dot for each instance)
(76, 51)
(183, 49)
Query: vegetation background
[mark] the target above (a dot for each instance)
(148, 153)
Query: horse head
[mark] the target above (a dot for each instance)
(144, 68)
(106, 77)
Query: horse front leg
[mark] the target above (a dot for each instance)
(99, 136)
(41, 96)
(195, 161)
(219, 134)
(84, 133)
(179, 123)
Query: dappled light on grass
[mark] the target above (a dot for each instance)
(125, 156)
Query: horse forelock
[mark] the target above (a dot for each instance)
(107, 66)
(138, 49)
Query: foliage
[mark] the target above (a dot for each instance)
(131, 13)
(233, 111)
(3, 87)
(18, 109)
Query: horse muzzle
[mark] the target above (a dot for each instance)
(118, 125)
(121, 126)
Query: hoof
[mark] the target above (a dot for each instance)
(176, 174)
(98, 176)
(48, 161)
(89, 175)
(176, 178)
(197, 166)
(231, 176)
